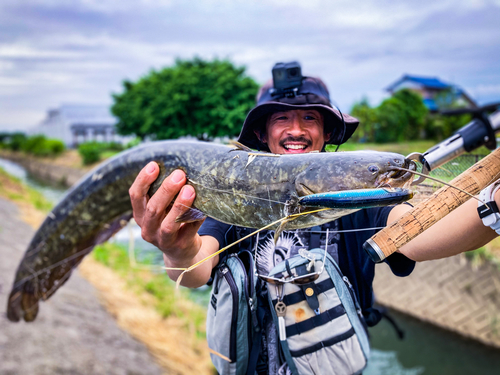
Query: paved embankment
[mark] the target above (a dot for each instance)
(450, 293)
(73, 333)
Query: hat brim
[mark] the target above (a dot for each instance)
(257, 117)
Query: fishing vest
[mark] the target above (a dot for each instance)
(305, 327)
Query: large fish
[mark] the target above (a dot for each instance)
(232, 185)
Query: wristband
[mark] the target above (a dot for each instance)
(489, 212)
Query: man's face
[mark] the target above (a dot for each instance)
(296, 131)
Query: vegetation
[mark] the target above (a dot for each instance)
(37, 145)
(404, 117)
(92, 152)
(13, 141)
(489, 253)
(205, 99)
(13, 189)
(403, 148)
(168, 301)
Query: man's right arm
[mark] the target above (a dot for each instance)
(180, 243)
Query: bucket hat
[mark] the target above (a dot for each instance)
(312, 94)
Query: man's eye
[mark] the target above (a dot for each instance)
(309, 117)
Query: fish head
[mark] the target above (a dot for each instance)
(354, 170)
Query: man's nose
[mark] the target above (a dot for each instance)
(296, 127)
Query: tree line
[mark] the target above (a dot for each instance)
(211, 98)
(208, 99)
(404, 117)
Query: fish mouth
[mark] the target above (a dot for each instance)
(398, 175)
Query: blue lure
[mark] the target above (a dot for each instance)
(357, 199)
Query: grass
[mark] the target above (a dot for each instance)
(13, 189)
(403, 148)
(32, 204)
(490, 253)
(167, 300)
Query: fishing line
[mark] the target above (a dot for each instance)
(235, 193)
(442, 182)
(197, 264)
(65, 260)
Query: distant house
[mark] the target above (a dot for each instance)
(434, 91)
(77, 123)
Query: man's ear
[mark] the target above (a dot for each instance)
(260, 136)
(327, 136)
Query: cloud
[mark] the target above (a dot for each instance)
(83, 49)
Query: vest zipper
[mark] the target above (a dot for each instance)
(234, 318)
(353, 296)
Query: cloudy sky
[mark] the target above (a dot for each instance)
(79, 51)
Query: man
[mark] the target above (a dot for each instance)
(295, 122)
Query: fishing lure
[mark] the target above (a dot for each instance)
(357, 199)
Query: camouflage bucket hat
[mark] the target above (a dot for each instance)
(312, 94)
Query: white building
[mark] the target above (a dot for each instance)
(78, 123)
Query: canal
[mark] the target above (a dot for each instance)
(425, 350)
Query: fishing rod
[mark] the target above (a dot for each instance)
(480, 131)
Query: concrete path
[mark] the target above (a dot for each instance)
(73, 333)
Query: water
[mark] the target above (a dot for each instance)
(53, 194)
(426, 349)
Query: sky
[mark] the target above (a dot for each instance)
(55, 52)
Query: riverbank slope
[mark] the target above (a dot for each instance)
(74, 318)
(73, 334)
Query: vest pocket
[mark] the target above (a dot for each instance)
(321, 331)
(227, 318)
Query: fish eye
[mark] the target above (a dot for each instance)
(373, 169)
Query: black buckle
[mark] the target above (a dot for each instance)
(487, 209)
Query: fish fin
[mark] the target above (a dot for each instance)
(307, 190)
(14, 305)
(190, 216)
(29, 303)
(240, 146)
(250, 159)
(280, 229)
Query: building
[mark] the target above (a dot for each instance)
(78, 123)
(435, 92)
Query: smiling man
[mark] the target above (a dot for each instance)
(292, 118)
(294, 132)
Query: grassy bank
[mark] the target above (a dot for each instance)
(144, 303)
(166, 299)
(32, 204)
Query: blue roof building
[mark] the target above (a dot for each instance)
(430, 88)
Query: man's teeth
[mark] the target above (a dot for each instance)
(295, 147)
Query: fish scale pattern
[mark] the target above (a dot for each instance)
(451, 293)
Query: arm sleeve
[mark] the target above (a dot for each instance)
(216, 229)
(370, 221)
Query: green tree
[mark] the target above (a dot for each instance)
(439, 126)
(367, 117)
(195, 97)
(401, 117)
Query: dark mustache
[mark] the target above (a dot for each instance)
(308, 142)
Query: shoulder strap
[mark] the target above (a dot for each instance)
(315, 236)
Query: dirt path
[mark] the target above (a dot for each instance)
(73, 333)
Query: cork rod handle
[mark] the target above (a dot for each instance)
(437, 206)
